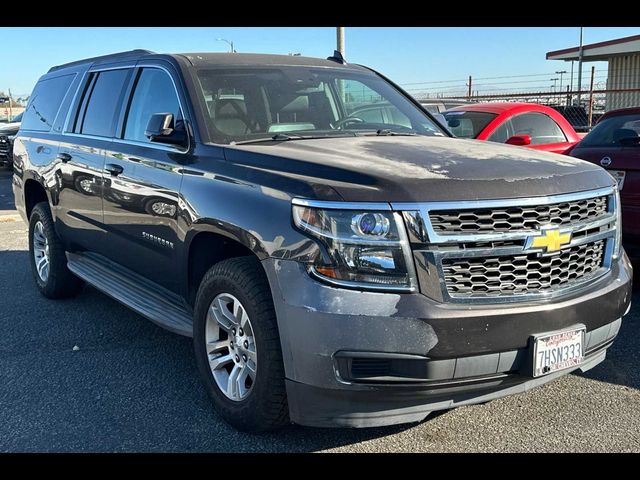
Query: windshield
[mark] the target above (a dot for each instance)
(17, 118)
(246, 104)
(466, 124)
(610, 131)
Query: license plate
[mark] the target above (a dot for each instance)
(619, 176)
(557, 351)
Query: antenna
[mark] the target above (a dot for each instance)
(337, 57)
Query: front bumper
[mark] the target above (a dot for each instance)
(459, 354)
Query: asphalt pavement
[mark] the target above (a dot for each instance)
(89, 375)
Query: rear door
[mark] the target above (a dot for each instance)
(82, 151)
(140, 196)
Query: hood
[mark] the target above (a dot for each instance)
(9, 128)
(418, 169)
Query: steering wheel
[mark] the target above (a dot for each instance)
(338, 124)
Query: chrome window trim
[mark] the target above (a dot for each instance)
(330, 205)
(432, 279)
(156, 146)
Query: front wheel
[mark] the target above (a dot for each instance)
(237, 346)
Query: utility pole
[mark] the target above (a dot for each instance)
(554, 80)
(340, 41)
(593, 74)
(469, 90)
(580, 66)
(10, 101)
(561, 72)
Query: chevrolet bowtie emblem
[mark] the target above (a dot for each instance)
(550, 240)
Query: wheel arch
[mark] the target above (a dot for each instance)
(206, 246)
(34, 193)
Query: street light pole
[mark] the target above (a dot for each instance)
(229, 42)
(580, 66)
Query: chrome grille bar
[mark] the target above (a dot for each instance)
(433, 250)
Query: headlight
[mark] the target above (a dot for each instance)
(365, 249)
(617, 247)
(11, 138)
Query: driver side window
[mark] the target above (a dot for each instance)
(154, 93)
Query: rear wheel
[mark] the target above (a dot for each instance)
(48, 258)
(237, 346)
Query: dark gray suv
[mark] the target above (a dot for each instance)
(331, 269)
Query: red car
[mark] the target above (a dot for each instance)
(525, 124)
(614, 143)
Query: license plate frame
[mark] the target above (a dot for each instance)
(549, 342)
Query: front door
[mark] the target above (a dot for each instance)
(142, 183)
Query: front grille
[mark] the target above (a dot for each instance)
(495, 276)
(517, 218)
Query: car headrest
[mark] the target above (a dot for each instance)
(230, 108)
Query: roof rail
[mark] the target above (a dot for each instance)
(111, 56)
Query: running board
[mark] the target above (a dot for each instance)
(145, 297)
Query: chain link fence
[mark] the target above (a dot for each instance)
(582, 108)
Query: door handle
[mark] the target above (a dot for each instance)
(114, 169)
(65, 157)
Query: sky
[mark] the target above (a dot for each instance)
(406, 55)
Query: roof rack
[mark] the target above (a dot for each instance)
(111, 56)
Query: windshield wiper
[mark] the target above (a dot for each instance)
(283, 137)
(278, 137)
(383, 132)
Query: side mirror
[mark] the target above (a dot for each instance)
(519, 140)
(442, 121)
(161, 129)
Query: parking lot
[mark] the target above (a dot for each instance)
(131, 386)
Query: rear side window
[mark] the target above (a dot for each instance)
(540, 127)
(610, 131)
(154, 93)
(45, 103)
(102, 103)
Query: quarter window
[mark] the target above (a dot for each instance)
(98, 114)
(45, 103)
(541, 128)
(154, 93)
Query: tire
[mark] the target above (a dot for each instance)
(59, 281)
(78, 185)
(265, 406)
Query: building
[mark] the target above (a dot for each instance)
(623, 57)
